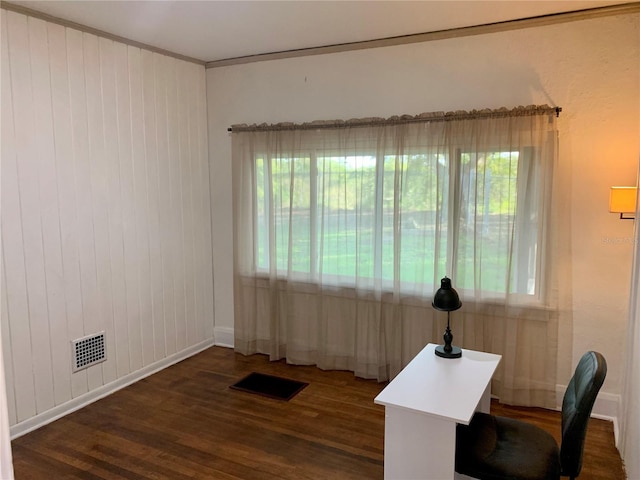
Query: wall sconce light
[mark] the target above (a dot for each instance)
(622, 200)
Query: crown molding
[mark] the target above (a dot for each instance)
(94, 31)
(530, 22)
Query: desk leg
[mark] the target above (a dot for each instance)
(484, 405)
(418, 447)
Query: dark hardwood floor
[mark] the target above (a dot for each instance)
(185, 422)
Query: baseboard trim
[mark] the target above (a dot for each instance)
(613, 420)
(77, 403)
(223, 337)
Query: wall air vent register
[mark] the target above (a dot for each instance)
(87, 351)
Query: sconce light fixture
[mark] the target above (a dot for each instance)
(622, 200)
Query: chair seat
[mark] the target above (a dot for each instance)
(499, 448)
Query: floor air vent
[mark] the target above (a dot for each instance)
(87, 351)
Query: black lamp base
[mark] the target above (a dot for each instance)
(455, 352)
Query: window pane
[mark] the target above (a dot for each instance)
(486, 225)
(346, 204)
(291, 193)
(301, 215)
(262, 186)
(425, 189)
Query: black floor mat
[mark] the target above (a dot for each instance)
(269, 386)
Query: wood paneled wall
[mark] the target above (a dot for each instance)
(105, 201)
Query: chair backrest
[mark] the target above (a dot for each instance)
(576, 409)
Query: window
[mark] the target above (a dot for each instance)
(343, 231)
(402, 221)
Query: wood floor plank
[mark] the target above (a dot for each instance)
(185, 422)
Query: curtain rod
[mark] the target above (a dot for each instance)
(402, 119)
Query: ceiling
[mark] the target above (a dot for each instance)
(216, 30)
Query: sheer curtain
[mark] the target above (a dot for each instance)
(343, 231)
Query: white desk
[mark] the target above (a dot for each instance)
(424, 403)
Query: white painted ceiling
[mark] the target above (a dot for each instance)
(215, 30)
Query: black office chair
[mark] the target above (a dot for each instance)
(499, 448)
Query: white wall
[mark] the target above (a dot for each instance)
(591, 68)
(105, 212)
